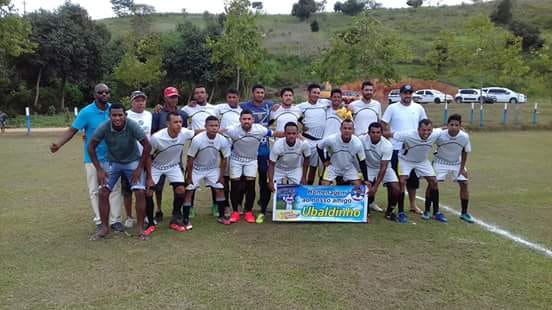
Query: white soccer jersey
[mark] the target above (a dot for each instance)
(449, 149)
(375, 153)
(167, 151)
(198, 114)
(333, 122)
(415, 149)
(206, 152)
(365, 114)
(227, 115)
(314, 116)
(403, 118)
(289, 157)
(283, 115)
(344, 155)
(245, 144)
(143, 120)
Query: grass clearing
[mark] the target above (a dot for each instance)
(49, 263)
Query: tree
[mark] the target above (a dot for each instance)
(140, 66)
(257, 5)
(366, 49)
(239, 47)
(351, 7)
(14, 38)
(530, 35)
(314, 26)
(303, 9)
(437, 58)
(140, 19)
(503, 13)
(122, 7)
(415, 3)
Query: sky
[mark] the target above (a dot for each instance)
(98, 9)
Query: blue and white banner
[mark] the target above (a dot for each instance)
(298, 203)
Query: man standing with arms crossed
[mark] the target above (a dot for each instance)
(90, 118)
(404, 116)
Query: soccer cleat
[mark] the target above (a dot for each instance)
(98, 227)
(129, 223)
(235, 217)
(391, 216)
(187, 224)
(117, 227)
(158, 217)
(402, 218)
(375, 207)
(177, 228)
(193, 212)
(249, 217)
(214, 210)
(466, 217)
(260, 218)
(150, 230)
(440, 217)
(426, 216)
(224, 221)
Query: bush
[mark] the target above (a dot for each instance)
(314, 26)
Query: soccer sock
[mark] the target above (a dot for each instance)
(186, 213)
(178, 200)
(370, 201)
(391, 202)
(435, 200)
(221, 204)
(213, 197)
(464, 205)
(401, 202)
(149, 210)
(428, 200)
(249, 195)
(227, 190)
(236, 194)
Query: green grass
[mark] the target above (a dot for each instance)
(48, 262)
(41, 121)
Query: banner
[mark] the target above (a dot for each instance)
(298, 203)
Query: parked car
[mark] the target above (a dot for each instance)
(431, 95)
(394, 96)
(505, 95)
(468, 95)
(349, 95)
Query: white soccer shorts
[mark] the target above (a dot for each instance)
(210, 177)
(388, 177)
(314, 159)
(173, 174)
(243, 168)
(422, 169)
(292, 176)
(442, 171)
(348, 175)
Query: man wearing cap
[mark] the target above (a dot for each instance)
(143, 118)
(404, 116)
(170, 104)
(88, 119)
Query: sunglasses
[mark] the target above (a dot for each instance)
(103, 92)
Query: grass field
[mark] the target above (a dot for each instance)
(48, 262)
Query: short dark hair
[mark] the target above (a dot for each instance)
(198, 86)
(231, 91)
(335, 91)
(290, 124)
(455, 117)
(285, 89)
(366, 83)
(246, 111)
(172, 114)
(312, 86)
(257, 86)
(211, 118)
(347, 120)
(425, 121)
(116, 106)
(374, 125)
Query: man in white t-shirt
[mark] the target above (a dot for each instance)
(453, 146)
(313, 120)
(289, 159)
(404, 116)
(167, 146)
(414, 156)
(286, 112)
(378, 159)
(365, 110)
(334, 112)
(343, 155)
(143, 118)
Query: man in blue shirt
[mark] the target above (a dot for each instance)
(261, 111)
(90, 118)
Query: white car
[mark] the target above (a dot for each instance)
(505, 95)
(394, 96)
(467, 95)
(431, 95)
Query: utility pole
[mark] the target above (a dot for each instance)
(24, 7)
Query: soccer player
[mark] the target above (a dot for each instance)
(378, 156)
(207, 157)
(167, 146)
(3, 120)
(313, 120)
(123, 160)
(453, 146)
(246, 139)
(344, 150)
(404, 116)
(289, 159)
(365, 110)
(199, 109)
(143, 118)
(88, 119)
(417, 145)
(335, 114)
(287, 112)
(170, 104)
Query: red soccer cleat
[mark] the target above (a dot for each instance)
(235, 217)
(150, 230)
(177, 228)
(249, 217)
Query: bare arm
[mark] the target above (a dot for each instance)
(379, 178)
(386, 130)
(67, 135)
(463, 164)
(305, 169)
(143, 161)
(270, 175)
(189, 167)
(102, 176)
(223, 162)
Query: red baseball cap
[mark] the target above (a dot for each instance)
(171, 91)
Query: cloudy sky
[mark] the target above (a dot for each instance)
(102, 8)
